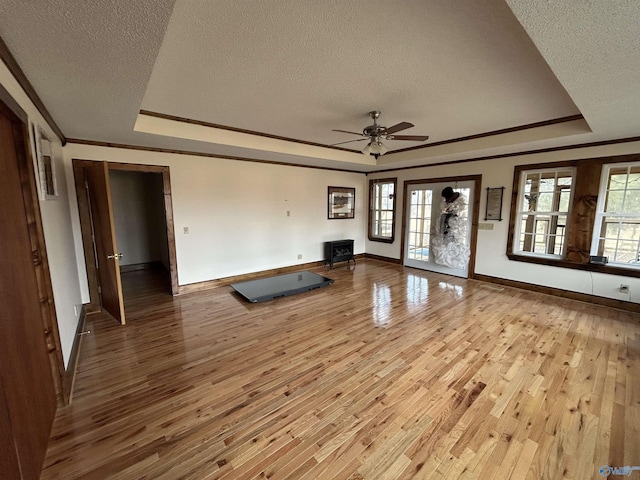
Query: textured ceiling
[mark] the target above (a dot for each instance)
(300, 69)
(88, 61)
(594, 50)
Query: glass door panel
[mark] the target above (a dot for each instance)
(420, 224)
(438, 231)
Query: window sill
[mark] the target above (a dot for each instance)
(381, 239)
(590, 267)
(538, 256)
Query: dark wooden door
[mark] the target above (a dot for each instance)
(8, 456)
(108, 257)
(29, 400)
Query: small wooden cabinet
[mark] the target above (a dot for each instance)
(338, 251)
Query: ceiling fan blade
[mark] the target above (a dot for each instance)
(349, 141)
(415, 138)
(398, 127)
(345, 131)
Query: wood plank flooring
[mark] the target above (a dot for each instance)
(390, 373)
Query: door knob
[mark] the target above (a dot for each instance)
(114, 256)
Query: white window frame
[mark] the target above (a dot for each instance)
(521, 211)
(600, 213)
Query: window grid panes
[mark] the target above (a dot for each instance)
(543, 211)
(618, 217)
(420, 225)
(382, 209)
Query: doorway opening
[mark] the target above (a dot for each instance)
(437, 232)
(126, 218)
(140, 228)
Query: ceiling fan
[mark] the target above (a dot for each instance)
(376, 133)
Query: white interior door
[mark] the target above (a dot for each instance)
(429, 243)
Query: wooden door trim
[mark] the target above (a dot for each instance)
(168, 209)
(38, 247)
(85, 222)
(475, 215)
(84, 212)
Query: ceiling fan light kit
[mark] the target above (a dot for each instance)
(376, 133)
(375, 147)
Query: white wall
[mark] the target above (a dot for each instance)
(236, 212)
(491, 258)
(139, 217)
(56, 221)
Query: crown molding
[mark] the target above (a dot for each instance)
(519, 128)
(193, 153)
(515, 154)
(191, 121)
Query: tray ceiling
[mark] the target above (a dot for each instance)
(270, 80)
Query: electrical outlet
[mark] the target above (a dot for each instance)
(624, 288)
(186, 230)
(299, 256)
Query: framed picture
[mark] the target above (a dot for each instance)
(494, 204)
(45, 162)
(342, 201)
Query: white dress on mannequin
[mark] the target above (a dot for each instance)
(448, 244)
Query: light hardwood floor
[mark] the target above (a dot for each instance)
(389, 373)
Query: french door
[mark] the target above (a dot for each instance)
(430, 242)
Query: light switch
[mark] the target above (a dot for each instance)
(186, 230)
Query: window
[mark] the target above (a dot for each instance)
(616, 233)
(565, 213)
(382, 209)
(544, 201)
